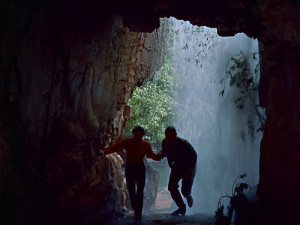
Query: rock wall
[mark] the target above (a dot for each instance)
(64, 88)
(68, 67)
(279, 182)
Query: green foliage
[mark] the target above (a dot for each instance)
(152, 105)
(243, 77)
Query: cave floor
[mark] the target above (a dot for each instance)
(156, 218)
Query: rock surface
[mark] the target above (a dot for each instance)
(63, 97)
(67, 69)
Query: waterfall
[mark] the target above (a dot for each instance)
(213, 112)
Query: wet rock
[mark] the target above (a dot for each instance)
(67, 71)
(63, 93)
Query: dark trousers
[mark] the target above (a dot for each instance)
(135, 174)
(187, 182)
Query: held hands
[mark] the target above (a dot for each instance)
(158, 156)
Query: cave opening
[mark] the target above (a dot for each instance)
(67, 71)
(207, 88)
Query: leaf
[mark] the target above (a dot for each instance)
(222, 92)
(242, 176)
(232, 81)
(237, 100)
(241, 187)
(152, 104)
(185, 47)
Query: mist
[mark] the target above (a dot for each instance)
(217, 114)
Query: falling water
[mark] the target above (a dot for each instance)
(222, 129)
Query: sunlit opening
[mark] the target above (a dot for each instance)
(208, 89)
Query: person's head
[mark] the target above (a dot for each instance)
(138, 132)
(170, 134)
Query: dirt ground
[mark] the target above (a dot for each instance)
(156, 218)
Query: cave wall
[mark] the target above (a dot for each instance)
(67, 69)
(64, 88)
(279, 182)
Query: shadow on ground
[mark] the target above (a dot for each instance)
(156, 218)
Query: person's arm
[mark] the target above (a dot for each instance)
(161, 154)
(164, 151)
(151, 154)
(116, 147)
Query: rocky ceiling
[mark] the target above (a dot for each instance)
(54, 115)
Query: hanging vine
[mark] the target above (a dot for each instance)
(240, 75)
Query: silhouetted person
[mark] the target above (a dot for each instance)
(135, 172)
(182, 159)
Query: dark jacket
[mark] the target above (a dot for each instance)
(180, 154)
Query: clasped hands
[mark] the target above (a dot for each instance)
(158, 156)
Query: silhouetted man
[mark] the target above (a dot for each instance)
(136, 149)
(182, 159)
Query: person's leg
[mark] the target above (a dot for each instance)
(175, 177)
(187, 183)
(140, 181)
(130, 180)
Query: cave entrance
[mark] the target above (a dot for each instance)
(208, 89)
